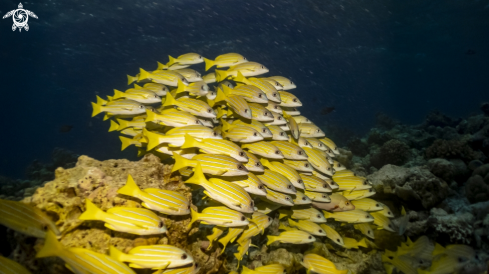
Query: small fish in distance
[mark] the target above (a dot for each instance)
(327, 110)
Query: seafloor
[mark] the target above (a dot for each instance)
(437, 170)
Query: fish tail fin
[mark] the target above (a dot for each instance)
(292, 222)
(130, 188)
(282, 214)
(221, 75)
(363, 243)
(265, 162)
(180, 162)
(161, 66)
(123, 124)
(226, 126)
(246, 270)
(241, 78)
(327, 214)
(125, 142)
(208, 64)
(96, 109)
(92, 212)
(220, 112)
(52, 247)
(220, 96)
(439, 249)
(198, 178)
(150, 116)
(101, 101)
(131, 79)
(143, 74)
(194, 217)
(227, 90)
(113, 126)
(136, 86)
(170, 101)
(283, 227)
(118, 94)
(181, 87)
(271, 239)
(190, 142)
(116, 254)
(153, 139)
(172, 60)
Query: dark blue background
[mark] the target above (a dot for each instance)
(403, 58)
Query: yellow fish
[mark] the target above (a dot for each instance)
(402, 265)
(119, 107)
(382, 221)
(253, 163)
(386, 211)
(142, 96)
(291, 111)
(165, 77)
(352, 216)
(220, 215)
(272, 82)
(233, 233)
(153, 256)
(137, 122)
(351, 243)
(274, 107)
(240, 134)
(229, 194)
(250, 93)
(265, 207)
(278, 133)
(277, 182)
(26, 219)
(181, 270)
(80, 260)
(289, 99)
(278, 198)
(316, 184)
(250, 231)
(317, 264)
(265, 86)
(159, 89)
(302, 166)
(216, 146)
(266, 269)
(237, 103)
(301, 199)
(200, 132)
(318, 197)
(242, 250)
(290, 151)
(284, 82)
(246, 69)
(303, 213)
(278, 120)
(137, 221)
(310, 130)
(217, 231)
(173, 118)
(332, 234)
(261, 220)
(213, 164)
(366, 229)
(164, 201)
(209, 78)
(225, 60)
(260, 113)
(258, 126)
(190, 74)
(8, 266)
(292, 237)
(290, 173)
(293, 126)
(193, 106)
(251, 184)
(318, 162)
(352, 183)
(358, 194)
(329, 143)
(337, 166)
(308, 226)
(186, 59)
(264, 149)
(344, 173)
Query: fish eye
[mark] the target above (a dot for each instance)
(265, 113)
(324, 196)
(329, 168)
(209, 110)
(246, 111)
(300, 182)
(370, 190)
(197, 122)
(335, 148)
(365, 183)
(294, 100)
(196, 265)
(274, 94)
(389, 213)
(306, 165)
(310, 237)
(202, 87)
(240, 167)
(252, 203)
(325, 186)
(244, 58)
(259, 96)
(156, 96)
(460, 260)
(215, 134)
(318, 216)
(45, 227)
(368, 231)
(377, 205)
(338, 240)
(160, 225)
(339, 165)
(303, 198)
(287, 198)
(264, 130)
(347, 203)
(188, 207)
(254, 134)
(241, 154)
(275, 107)
(261, 187)
(258, 164)
(282, 133)
(243, 218)
(184, 256)
(269, 219)
(390, 226)
(141, 107)
(262, 67)
(185, 81)
(289, 187)
(299, 152)
(277, 152)
(317, 130)
(366, 216)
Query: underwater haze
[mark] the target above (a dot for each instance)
(402, 58)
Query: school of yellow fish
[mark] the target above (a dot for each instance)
(245, 144)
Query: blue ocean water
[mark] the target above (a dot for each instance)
(402, 58)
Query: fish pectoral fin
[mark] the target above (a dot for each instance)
(220, 172)
(163, 267)
(173, 208)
